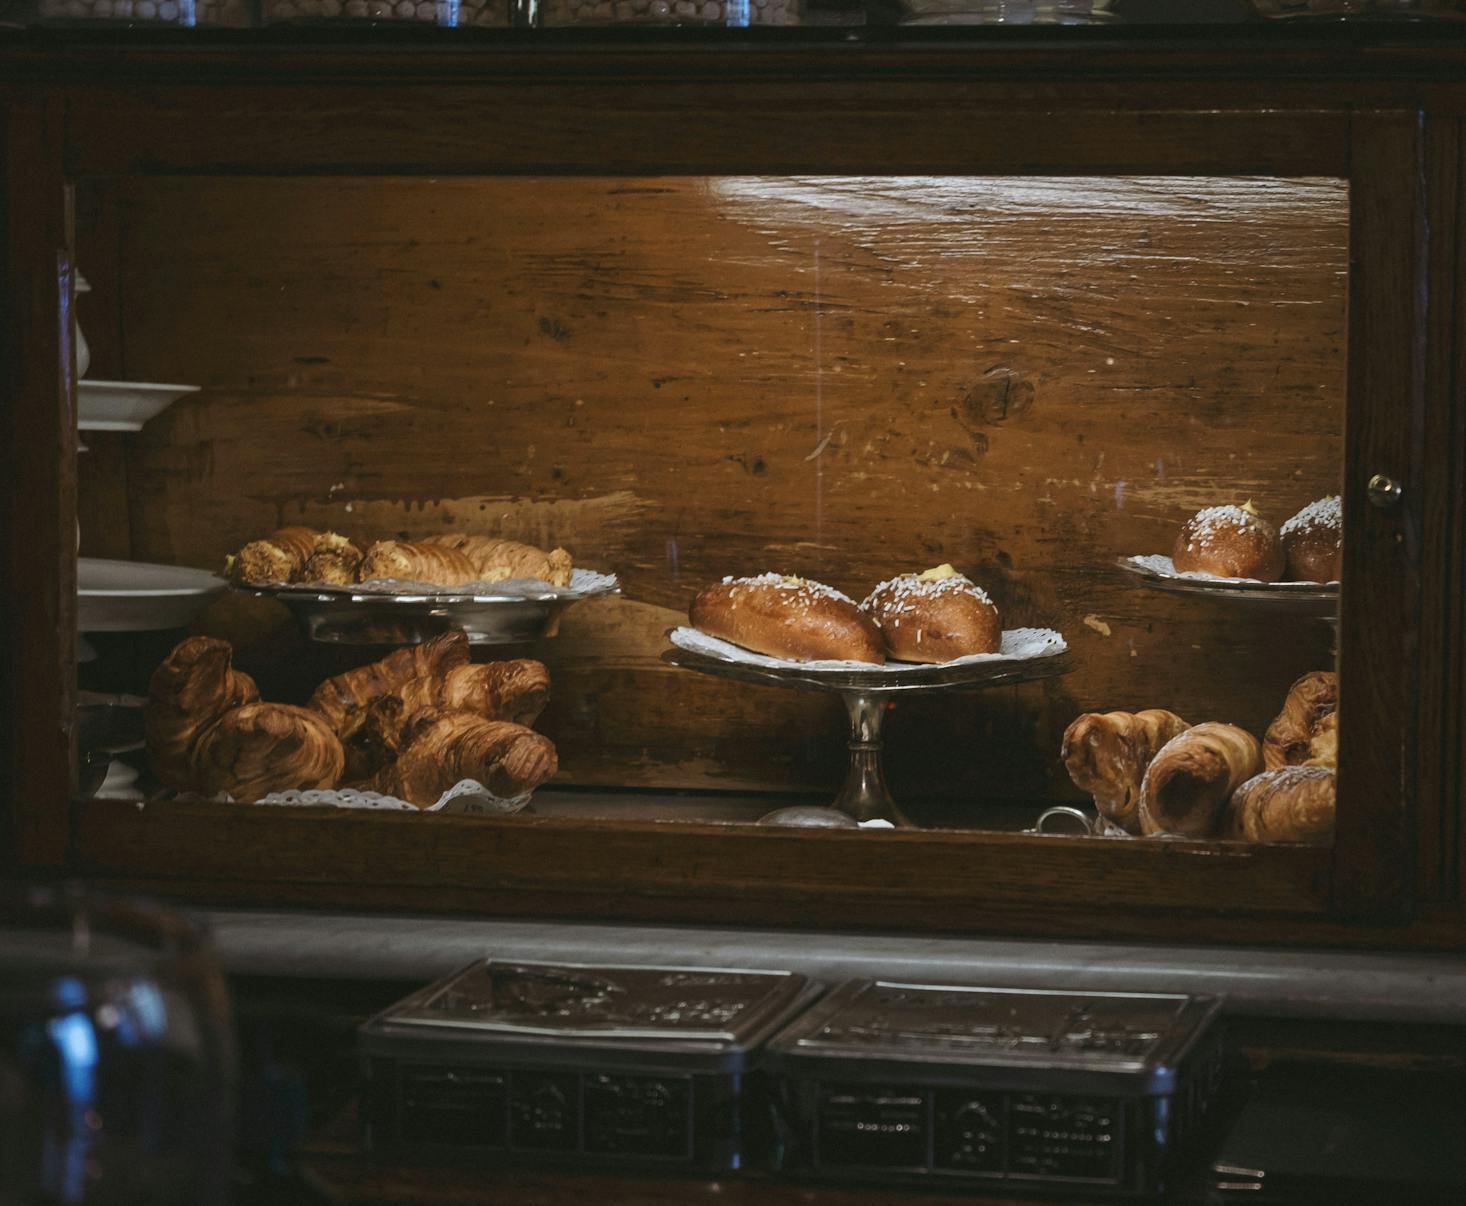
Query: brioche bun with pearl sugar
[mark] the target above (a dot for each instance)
(934, 617)
(1313, 542)
(787, 617)
(1230, 542)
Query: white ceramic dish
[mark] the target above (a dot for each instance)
(123, 405)
(133, 596)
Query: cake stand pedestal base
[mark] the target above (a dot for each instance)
(866, 692)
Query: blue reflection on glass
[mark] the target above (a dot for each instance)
(74, 1041)
(149, 1010)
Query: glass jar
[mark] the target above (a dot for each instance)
(227, 14)
(482, 13)
(733, 13)
(116, 1054)
(117, 12)
(1007, 12)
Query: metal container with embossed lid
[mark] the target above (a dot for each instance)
(1001, 1087)
(572, 1063)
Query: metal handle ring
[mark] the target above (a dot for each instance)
(1062, 810)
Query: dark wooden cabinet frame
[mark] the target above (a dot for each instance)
(1386, 116)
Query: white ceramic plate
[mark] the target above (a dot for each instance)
(133, 596)
(123, 405)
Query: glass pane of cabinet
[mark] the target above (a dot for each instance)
(988, 495)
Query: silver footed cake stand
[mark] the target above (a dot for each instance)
(865, 693)
(1309, 600)
(1317, 599)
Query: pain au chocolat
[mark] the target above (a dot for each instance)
(1230, 542)
(934, 616)
(787, 617)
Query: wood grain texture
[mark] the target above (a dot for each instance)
(1434, 927)
(1442, 694)
(682, 126)
(1378, 658)
(839, 877)
(521, 113)
(39, 451)
(843, 378)
(1262, 67)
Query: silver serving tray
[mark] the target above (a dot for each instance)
(342, 616)
(1307, 598)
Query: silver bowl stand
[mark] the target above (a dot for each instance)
(405, 618)
(1318, 599)
(865, 693)
(1307, 600)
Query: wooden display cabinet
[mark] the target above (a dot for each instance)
(181, 150)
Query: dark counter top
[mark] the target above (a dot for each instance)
(1317, 1098)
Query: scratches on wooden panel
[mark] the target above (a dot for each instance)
(838, 377)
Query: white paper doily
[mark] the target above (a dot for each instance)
(465, 796)
(1019, 645)
(1166, 568)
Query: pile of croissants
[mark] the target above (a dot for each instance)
(1152, 774)
(411, 726)
(299, 554)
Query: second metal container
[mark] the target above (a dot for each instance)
(958, 1086)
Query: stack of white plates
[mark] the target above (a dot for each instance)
(133, 596)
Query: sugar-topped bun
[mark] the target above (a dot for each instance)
(787, 617)
(934, 617)
(1313, 542)
(1231, 542)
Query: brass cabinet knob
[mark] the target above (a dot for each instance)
(1384, 491)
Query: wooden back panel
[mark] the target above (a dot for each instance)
(684, 377)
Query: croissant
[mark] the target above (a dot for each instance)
(446, 748)
(279, 557)
(514, 690)
(1193, 776)
(263, 747)
(1310, 699)
(343, 699)
(1288, 804)
(193, 687)
(496, 560)
(334, 560)
(435, 564)
(377, 739)
(1107, 753)
(1323, 747)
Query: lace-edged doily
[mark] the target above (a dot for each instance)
(1019, 645)
(467, 796)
